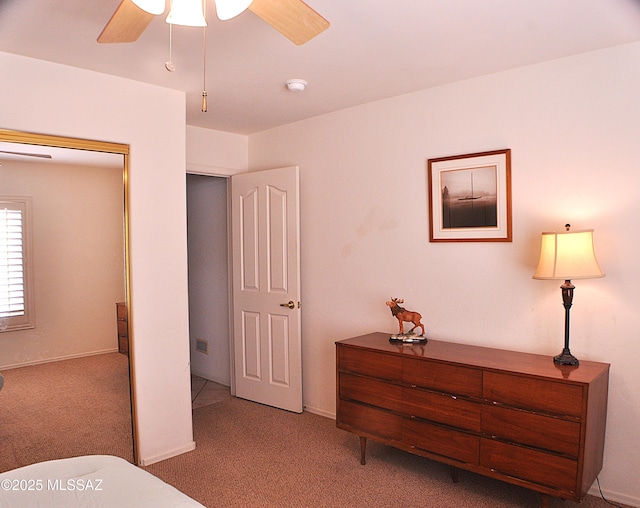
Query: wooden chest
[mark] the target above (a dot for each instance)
(123, 327)
(512, 416)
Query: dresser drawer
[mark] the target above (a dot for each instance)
(443, 377)
(369, 363)
(367, 420)
(532, 393)
(442, 408)
(531, 465)
(554, 434)
(441, 441)
(370, 391)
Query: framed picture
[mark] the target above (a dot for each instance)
(470, 197)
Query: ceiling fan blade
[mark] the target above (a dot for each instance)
(127, 23)
(39, 155)
(292, 18)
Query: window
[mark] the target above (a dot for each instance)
(16, 298)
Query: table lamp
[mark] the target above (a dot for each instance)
(564, 256)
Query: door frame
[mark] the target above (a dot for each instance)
(217, 172)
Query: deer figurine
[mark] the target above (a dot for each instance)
(402, 315)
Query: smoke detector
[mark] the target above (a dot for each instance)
(296, 85)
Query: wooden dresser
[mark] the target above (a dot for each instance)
(512, 416)
(123, 327)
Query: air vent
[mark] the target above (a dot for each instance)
(202, 346)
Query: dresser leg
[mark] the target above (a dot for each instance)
(455, 474)
(363, 450)
(544, 500)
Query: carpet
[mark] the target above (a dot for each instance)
(250, 455)
(65, 409)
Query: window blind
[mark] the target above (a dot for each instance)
(12, 290)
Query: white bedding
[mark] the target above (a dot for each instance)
(88, 481)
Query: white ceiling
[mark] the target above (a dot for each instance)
(374, 49)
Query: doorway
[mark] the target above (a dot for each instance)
(266, 256)
(208, 260)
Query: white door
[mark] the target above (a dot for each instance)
(266, 287)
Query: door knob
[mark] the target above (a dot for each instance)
(291, 304)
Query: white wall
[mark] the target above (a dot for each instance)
(572, 126)
(208, 246)
(47, 98)
(78, 260)
(211, 152)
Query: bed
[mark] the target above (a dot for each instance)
(88, 481)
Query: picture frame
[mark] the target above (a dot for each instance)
(470, 197)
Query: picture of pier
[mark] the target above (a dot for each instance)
(469, 197)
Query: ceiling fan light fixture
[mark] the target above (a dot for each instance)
(227, 9)
(186, 13)
(154, 7)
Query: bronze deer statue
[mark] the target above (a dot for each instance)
(402, 315)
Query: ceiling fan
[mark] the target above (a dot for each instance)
(292, 18)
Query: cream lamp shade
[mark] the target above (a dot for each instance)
(187, 13)
(568, 255)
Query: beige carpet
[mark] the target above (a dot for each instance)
(249, 455)
(64, 409)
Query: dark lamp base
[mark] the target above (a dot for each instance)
(565, 358)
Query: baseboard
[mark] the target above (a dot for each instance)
(320, 412)
(614, 497)
(57, 359)
(209, 377)
(167, 455)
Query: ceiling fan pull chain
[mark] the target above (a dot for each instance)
(169, 65)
